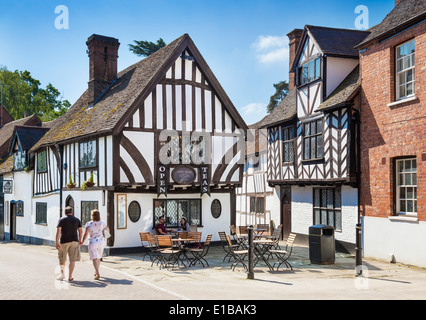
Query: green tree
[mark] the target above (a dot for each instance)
(281, 91)
(146, 48)
(23, 94)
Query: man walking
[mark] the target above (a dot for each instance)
(68, 241)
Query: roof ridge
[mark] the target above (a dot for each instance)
(334, 28)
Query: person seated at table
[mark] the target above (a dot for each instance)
(159, 227)
(184, 226)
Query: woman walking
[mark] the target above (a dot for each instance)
(94, 229)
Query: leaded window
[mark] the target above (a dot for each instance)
(42, 161)
(88, 154)
(41, 213)
(328, 207)
(86, 210)
(288, 144)
(313, 140)
(174, 210)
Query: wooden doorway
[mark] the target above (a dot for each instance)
(12, 225)
(286, 212)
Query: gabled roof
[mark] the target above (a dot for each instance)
(5, 116)
(132, 86)
(344, 92)
(284, 111)
(405, 14)
(332, 41)
(6, 132)
(27, 136)
(7, 165)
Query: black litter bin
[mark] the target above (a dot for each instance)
(321, 244)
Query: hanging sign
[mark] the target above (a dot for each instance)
(204, 180)
(162, 181)
(7, 186)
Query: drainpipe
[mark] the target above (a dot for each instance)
(358, 227)
(60, 148)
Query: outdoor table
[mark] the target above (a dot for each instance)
(261, 248)
(179, 241)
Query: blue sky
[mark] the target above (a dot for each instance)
(244, 42)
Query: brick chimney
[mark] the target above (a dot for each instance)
(103, 55)
(294, 37)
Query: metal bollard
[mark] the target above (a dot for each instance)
(358, 250)
(250, 274)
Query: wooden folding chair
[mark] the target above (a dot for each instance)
(153, 249)
(168, 255)
(285, 253)
(144, 243)
(200, 253)
(238, 255)
(226, 247)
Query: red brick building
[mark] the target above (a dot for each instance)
(393, 135)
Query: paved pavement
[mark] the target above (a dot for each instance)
(29, 272)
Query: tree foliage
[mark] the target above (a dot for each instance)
(281, 91)
(146, 48)
(22, 94)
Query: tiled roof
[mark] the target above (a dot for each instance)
(132, 83)
(80, 120)
(7, 165)
(284, 111)
(6, 132)
(337, 41)
(29, 136)
(344, 91)
(405, 14)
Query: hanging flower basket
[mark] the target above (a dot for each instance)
(88, 183)
(71, 185)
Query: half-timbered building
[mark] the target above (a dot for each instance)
(257, 202)
(313, 133)
(159, 138)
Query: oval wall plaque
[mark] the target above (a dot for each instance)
(134, 211)
(183, 175)
(216, 208)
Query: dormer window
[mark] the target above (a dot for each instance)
(309, 71)
(20, 158)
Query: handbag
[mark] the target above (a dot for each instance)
(106, 234)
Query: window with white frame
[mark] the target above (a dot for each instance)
(404, 69)
(406, 186)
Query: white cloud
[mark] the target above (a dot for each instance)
(271, 49)
(254, 109)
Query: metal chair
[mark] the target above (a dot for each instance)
(200, 253)
(285, 253)
(226, 247)
(168, 255)
(238, 255)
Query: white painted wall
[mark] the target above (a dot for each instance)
(405, 240)
(302, 212)
(337, 70)
(129, 237)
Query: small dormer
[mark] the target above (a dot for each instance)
(23, 139)
(323, 59)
